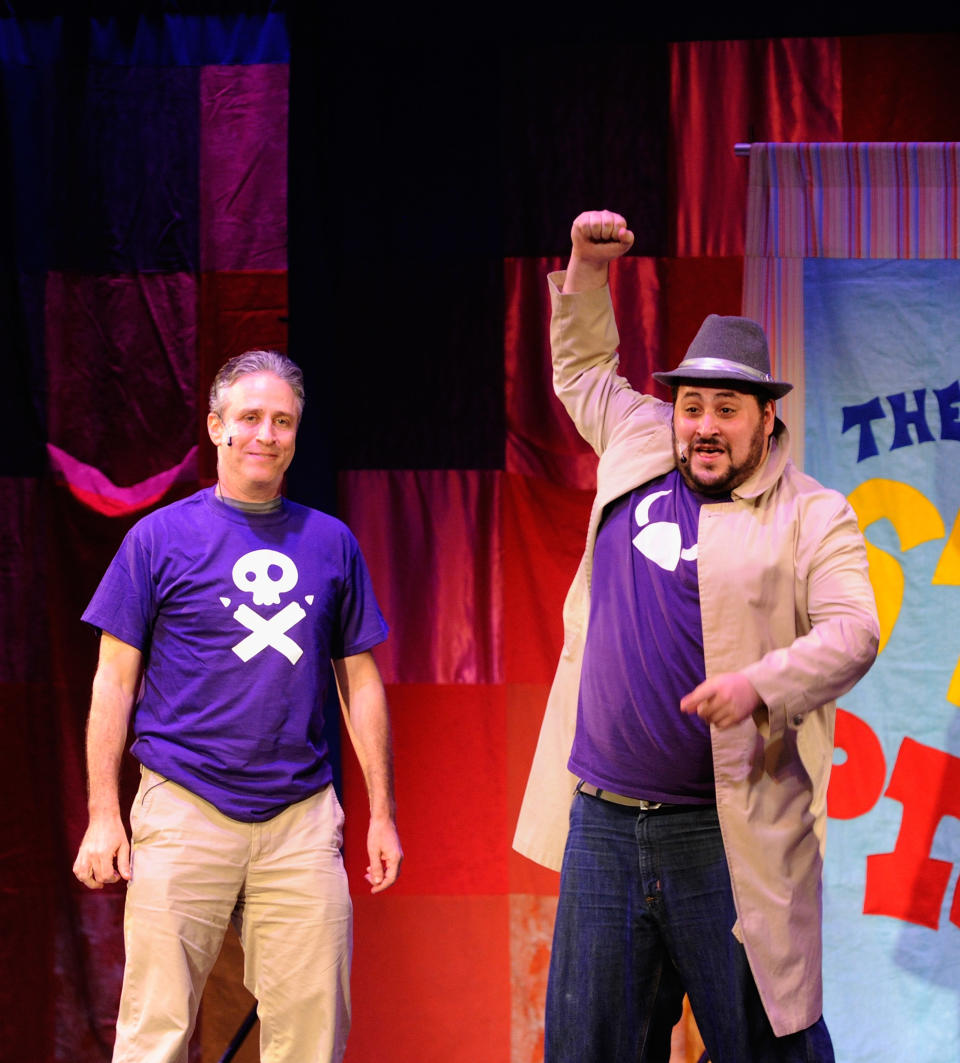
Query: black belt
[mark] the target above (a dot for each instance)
(633, 802)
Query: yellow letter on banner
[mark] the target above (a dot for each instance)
(948, 572)
(914, 519)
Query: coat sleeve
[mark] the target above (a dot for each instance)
(838, 624)
(583, 342)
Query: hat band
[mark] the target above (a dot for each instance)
(726, 366)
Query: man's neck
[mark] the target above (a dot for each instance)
(267, 505)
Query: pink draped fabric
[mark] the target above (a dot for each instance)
(93, 489)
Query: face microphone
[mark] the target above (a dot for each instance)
(229, 441)
(683, 454)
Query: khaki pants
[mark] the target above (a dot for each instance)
(281, 882)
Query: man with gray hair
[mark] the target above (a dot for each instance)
(220, 617)
(721, 605)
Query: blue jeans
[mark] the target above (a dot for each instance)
(645, 915)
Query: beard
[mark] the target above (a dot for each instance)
(717, 483)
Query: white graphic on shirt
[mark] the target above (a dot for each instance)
(254, 573)
(660, 542)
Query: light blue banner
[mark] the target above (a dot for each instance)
(882, 342)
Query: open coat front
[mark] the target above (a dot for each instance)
(785, 598)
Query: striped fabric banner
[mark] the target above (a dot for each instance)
(870, 200)
(853, 200)
(852, 266)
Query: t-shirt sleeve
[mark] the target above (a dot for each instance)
(124, 604)
(362, 625)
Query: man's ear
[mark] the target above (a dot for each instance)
(215, 429)
(769, 417)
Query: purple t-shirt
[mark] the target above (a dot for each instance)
(644, 651)
(238, 616)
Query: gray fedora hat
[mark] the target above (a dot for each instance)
(731, 350)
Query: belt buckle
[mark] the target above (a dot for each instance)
(649, 806)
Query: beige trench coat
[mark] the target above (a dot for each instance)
(785, 598)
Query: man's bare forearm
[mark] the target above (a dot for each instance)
(104, 854)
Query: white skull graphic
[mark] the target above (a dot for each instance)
(252, 573)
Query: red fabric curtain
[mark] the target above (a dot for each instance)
(727, 92)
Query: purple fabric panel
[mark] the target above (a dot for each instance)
(121, 366)
(188, 39)
(243, 167)
(125, 150)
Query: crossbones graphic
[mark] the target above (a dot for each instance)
(253, 573)
(270, 632)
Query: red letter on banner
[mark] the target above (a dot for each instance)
(908, 883)
(856, 784)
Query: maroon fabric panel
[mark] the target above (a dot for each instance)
(451, 774)
(238, 312)
(693, 288)
(525, 704)
(541, 439)
(86, 959)
(901, 87)
(431, 539)
(63, 943)
(31, 890)
(243, 167)
(89, 973)
(121, 367)
(544, 529)
(24, 647)
(729, 92)
(638, 301)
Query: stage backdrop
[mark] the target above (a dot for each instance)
(852, 265)
(145, 154)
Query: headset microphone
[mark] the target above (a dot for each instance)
(683, 455)
(229, 441)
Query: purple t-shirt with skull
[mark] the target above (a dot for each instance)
(238, 616)
(644, 651)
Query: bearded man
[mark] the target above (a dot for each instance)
(722, 604)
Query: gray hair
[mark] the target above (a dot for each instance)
(256, 362)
